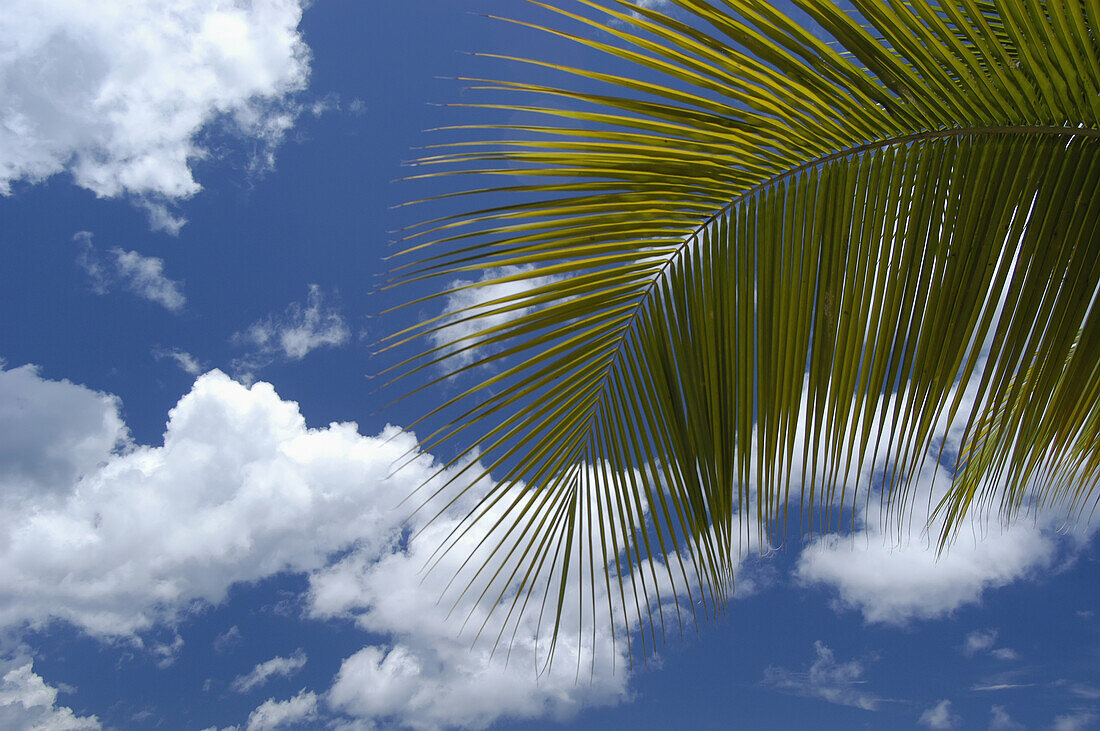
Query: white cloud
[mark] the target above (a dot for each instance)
(840, 683)
(167, 652)
(188, 363)
(274, 714)
(940, 716)
(663, 6)
(283, 667)
(472, 310)
(1084, 690)
(1000, 720)
(895, 583)
(328, 103)
(982, 641)
(227, 640)
(1076, 721)
(55, 432)
(241, 489)
(294, 334)
(141, 275)
(979, 641)
(144, 276)
(892, 582)
(990, 687)
(116, 94)
(123, 542)
(427, 681)
(441, 665)
(26, 702)
(436, 670)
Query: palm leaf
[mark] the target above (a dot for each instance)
(760, 265)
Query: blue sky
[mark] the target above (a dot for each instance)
(199, 527)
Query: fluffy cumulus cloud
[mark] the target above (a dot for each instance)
(116, 94)
(122, 540)
(294, 334)
(55, 433)
(140, 275)
(827, 679)
(27, 702)
(457, 657)
(118, 540)
(430, 676)
(893, 581)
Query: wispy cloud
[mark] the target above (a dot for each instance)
(282, 667)
(836, 682)
(940, 717)
(273, 714)
(188, 363)
(292, 335)
(979, 641)
(1084, 690)
(227, 640)
(987, 687)
(983, 641)
(1001, 720)
(1005, 653)
(662, 5)
(1074, 721)
(167, 652)
(475, 307)
(138, 274)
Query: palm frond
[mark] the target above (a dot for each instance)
(773, 257)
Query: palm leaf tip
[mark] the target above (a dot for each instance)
(767, 270)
